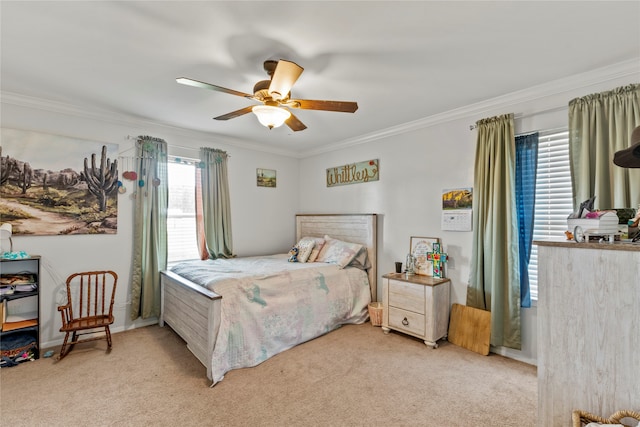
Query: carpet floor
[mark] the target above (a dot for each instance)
(353, 376)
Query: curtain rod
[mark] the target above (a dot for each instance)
(135, 138)
(521, 116)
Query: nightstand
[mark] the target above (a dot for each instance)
(416, 305)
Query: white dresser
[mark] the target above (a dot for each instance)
(588, 329)
(416, 305)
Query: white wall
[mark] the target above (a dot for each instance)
(417, 162)
(417, 165)
(263, 218)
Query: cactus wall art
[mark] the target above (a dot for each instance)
(55, 185)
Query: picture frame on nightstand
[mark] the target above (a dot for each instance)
(419, 247)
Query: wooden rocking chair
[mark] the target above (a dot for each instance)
(90, 297)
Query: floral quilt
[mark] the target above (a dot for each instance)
(270, 305)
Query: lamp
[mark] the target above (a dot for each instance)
(270, 116)
(5, 233)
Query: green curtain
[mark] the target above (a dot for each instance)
(494, 282)
(149, 227)
(216, 207)
(599, 125)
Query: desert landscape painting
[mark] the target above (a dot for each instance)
(55, 185)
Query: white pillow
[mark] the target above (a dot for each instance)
(316, 248)
(305, 246)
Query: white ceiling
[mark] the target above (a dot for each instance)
(401, 61)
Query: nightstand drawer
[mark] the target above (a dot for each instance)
(408, 296)
(406, 321)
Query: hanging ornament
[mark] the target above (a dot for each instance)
(156, 182)
(141, 183)
(121, 188)
(130, 175)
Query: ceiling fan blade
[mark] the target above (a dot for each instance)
(309, 104)
(234, 114)
(295, 124)
(283, 78)
(203, 85)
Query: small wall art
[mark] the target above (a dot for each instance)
(266, 178)
(420, 247)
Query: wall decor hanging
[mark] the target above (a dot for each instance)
(353, 173)
(266, 178)
(54, 185)
(457, 205)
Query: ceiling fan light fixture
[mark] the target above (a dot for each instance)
(270, 116)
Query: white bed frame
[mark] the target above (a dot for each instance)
(193, 311)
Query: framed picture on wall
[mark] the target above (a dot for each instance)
(266, 177)
(419, 247)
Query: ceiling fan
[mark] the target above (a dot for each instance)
(275, 94)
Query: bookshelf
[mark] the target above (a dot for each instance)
(20, 309)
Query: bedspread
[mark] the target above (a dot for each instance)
(270, 305)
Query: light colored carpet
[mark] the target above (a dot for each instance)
(354, 376)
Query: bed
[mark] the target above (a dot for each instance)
(227, 329)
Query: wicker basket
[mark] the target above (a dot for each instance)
(375, 313)
(581, 418)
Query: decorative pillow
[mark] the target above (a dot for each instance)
(316, 248)
(338, 252)
(305, 246)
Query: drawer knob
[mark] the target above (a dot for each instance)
(405, 322)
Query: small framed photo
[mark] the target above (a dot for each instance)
(266, 178)
(419, 248)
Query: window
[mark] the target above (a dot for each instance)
(554, 197)
(181, 216)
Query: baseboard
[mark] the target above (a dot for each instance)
(513, 354)
(134, 325)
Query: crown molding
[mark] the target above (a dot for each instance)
(616, 71)
(107, 116)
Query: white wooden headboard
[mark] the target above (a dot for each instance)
(355, 228)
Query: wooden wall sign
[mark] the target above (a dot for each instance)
(353, 173)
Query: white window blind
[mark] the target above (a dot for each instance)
(181, 215)
(554, 199)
